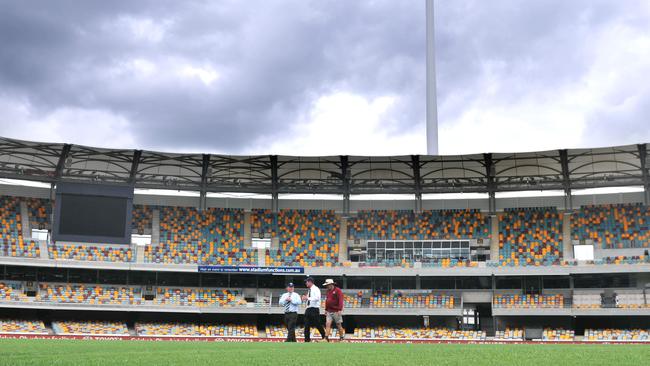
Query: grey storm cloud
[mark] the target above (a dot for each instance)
(273, 59)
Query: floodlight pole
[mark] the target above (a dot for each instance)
(432, 106)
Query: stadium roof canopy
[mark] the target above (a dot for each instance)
(565, 170)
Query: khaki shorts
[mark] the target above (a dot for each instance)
(334, 317)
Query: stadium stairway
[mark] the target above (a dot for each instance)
(139, 253)
(248, 242)
(132, 331)
(343, 239)
(567, 248)
(26, 224)
(487, 325)
(494, 241)
(155, 227)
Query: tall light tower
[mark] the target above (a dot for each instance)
(432, 100)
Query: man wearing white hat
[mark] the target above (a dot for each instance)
(334, 308)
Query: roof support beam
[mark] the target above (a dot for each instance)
(566, 179)
(643, 157)
(490, 172)
(275, 184)
(137, 154)
(65, 151)
(345, 184)
(417, 182)
(205, 168)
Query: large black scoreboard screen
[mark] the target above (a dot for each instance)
(93, 213)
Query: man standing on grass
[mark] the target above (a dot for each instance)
(334, 308)
(312, 313)
(290, 301)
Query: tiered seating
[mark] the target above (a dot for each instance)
(280, 331)
(90, 252)
(264, 222)
(412, 301)
(528, 301)
(407, 225)
(530, 237)
(307, 238)
(631, 300)
(142, 218)
(509, 334)
(12, 292)
(417, 333)
(92, 294)
(21, 326)
(426, 263)
(352, 301)
(12, 243)
(199, 297)
(640, 259)
(212, 236)
(195, 330)
(613, 226)
(558, 334)
(448, 263)
(617, 335)
(40, 211)
(90, 328)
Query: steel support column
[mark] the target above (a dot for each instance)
(417, 182)
(275, 205)
(345, 182)
(566, 179)
(205, 171)
(490, 172)
(137, 154)
(65, 151)
(643, 157)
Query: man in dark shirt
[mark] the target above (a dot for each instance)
(334, 308)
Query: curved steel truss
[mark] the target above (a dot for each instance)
(565, 170)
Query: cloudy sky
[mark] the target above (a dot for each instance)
(324, 77)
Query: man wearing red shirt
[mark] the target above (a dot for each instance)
(334, 308)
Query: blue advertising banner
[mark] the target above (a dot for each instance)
(250, 269)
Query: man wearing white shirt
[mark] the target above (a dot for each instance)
(290, 301)
(312, 313)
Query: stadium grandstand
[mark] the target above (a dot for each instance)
(563, 262)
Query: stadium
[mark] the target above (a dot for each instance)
(210, 266)
(211, 183)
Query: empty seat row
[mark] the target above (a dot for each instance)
(408, 225)
(613, 226)
(617, 335)
(412, 301)
(530, 237)
(91, 294)
(195, 330)
(509, 334)
(307, 238)
(382, 332)
(528, 301)
(560, 334)
(211, 236)
(83, 252)
(90, 327)
(199, 297)
(22, 326)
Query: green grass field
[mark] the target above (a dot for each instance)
(77, 352)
